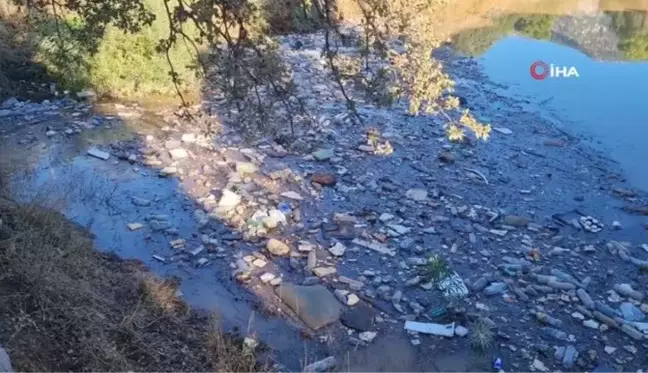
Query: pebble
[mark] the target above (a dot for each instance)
(538, 365)
(267, 277)
(367, 336)
(609, 350)
(337, 250)
(460, 331)
(591, 324)
(417, 194)
(352, 300)
(277, 247)
(135, 226)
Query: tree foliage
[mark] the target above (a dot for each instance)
(396, 40)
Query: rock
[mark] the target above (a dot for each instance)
(94, 152)
(446, 157)
(609, 350)
(616, 225)
(499, 232)
(460, 331)
(406, 243)
(360, 317)
(135, 226)
(86, 94)
(324, 271)
(267, 277)
(385, 217)
(292, 195)
(538, 365)
(516, 221)
(277, 247)
(246, 168)
(5, 361)
(352, 300)
(353, 284)
(631, 312)
(324, 179)
(591, 324)
(383, 249)
(168, 171)
(9, 103)
(367, 336)
(337, 250)
(323, 154)
(312, 260)
(228, 201)
(188, 138)
(366, 148)
(418, 195)
(344, 218)
(430, 328)
(178, 154)
(315, 305)
(321, 366)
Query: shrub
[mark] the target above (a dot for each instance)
(121, 64)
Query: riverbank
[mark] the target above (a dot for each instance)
(66, 307)
(346, 229)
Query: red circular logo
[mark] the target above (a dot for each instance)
(539, 70)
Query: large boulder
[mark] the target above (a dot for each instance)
(315, 305)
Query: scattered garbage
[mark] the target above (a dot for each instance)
(498, 364)
(322, 365)
(430, 328)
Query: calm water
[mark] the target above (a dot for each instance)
(607, 103)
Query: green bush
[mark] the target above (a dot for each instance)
(123, 64)
(635, 47)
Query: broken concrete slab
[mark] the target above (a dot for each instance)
(315, 305)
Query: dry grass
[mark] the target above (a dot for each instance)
(66, 307)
